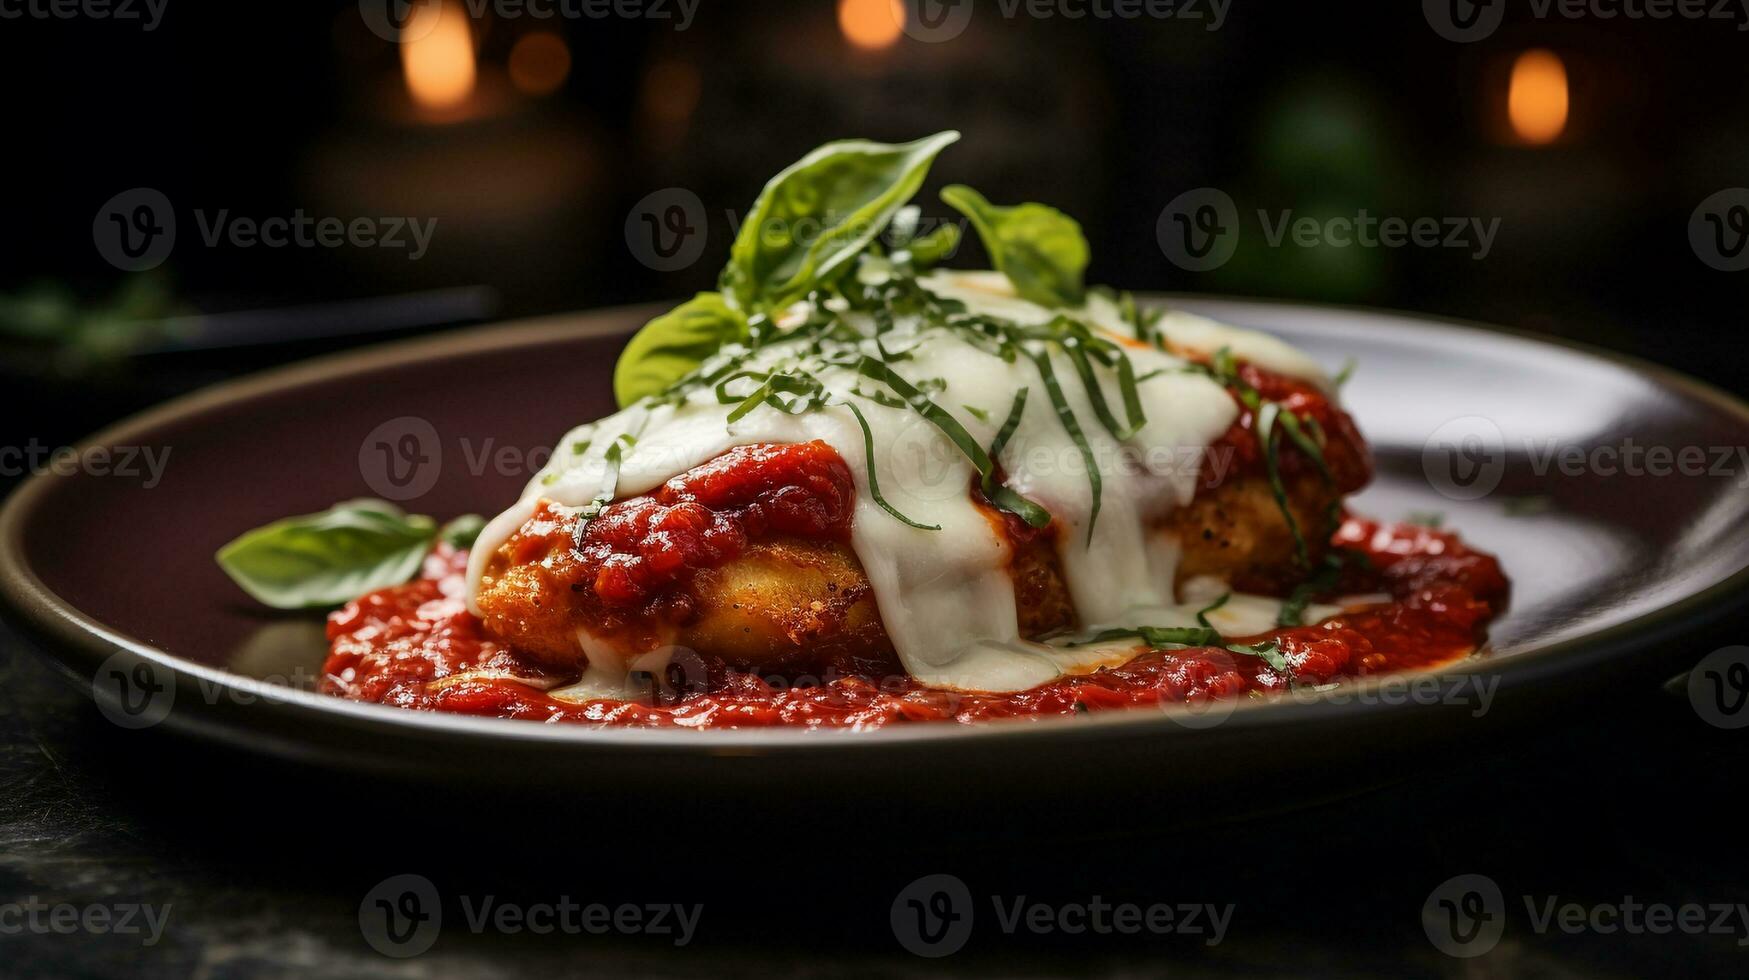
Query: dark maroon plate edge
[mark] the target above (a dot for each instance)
(80, 644)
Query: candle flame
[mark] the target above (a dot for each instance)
(438, 62)
(871, 24)
(1536, 101)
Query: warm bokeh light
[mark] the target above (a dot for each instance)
(671, 91)
(1537, 99)
(539, 63)
(871, 24)
(439, 64)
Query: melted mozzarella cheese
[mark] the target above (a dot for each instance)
(945, 596)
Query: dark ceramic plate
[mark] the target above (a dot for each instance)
(1522, 444)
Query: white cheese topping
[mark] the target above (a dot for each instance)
(945, 596)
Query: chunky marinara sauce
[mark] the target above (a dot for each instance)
(417, 646)
(640, 547)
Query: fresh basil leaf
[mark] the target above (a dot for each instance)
(819, 214)
(903, 227)
(326, 559)
(1040, 249)
(463, 531)
(674, 344)
(934, 247)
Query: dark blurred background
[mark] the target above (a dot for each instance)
(535, 143)
(1602, 158)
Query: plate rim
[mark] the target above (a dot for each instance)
(74, 639)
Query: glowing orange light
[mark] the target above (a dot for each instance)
(439, 63)
(671, 91)
(539, 63)
(1536, 102)
(871, 24)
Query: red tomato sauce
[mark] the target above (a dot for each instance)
(416, 646)
(641, 547)
(1238, 453)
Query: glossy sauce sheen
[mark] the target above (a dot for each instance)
(640, 548)
(631, 566)
(944, 595)
(417, 646)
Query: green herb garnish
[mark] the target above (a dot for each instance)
(322, 560)
(1293, 609)
(874, 485)
(1201, 637)
(675, 344)
(813, 219)
(1066, 416)
(1202, 615)
(1040, 249)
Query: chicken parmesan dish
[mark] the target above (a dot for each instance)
(854, 488)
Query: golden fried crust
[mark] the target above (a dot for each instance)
(1237, 532)
(795, 604)
(782, 602)
(526, 606)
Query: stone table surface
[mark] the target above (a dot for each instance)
(254, 867)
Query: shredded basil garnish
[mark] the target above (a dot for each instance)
(1066, 416)
(1003, 496)
(943, 420)
(1293, 610)
(1202, 637)
(874, 486)
(1202, 615)
(1267, 414)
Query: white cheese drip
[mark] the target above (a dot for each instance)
(945, 597)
